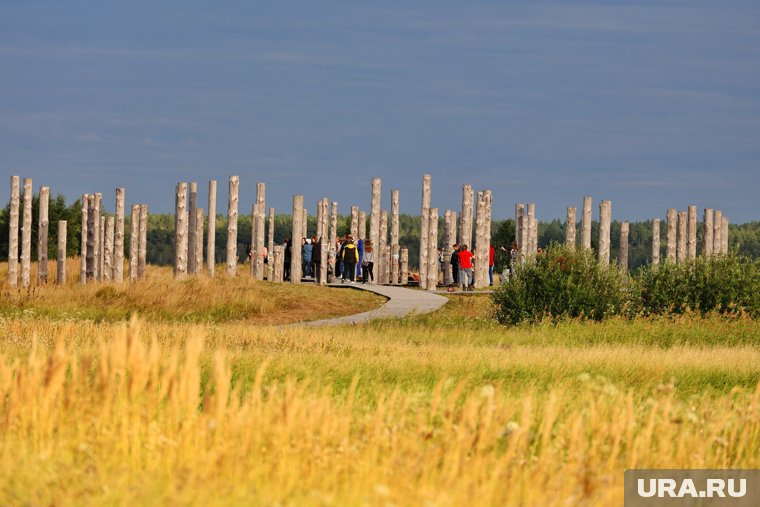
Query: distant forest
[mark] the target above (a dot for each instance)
(745, 238)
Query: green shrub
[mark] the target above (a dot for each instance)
(558, 284)
(722, 283)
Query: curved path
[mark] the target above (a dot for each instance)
(401, 302)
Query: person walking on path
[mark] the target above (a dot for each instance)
(350, 258)
(287, 257)
(465, 267)
(454, 261)
(368, 263)
(360, 264)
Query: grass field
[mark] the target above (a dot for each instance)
(444, 409)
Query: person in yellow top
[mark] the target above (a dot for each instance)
(350, 257)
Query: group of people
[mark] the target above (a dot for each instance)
(463, 263)
(354, 260)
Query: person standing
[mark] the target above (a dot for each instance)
(491, 257)
(286, 260)
(350, 258)
(316, 257)
(368, 263)
(454, 261)
(307, 250)
(465, 268)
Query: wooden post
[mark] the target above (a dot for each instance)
(724, 234)
(118, 238)
(681, 241)
(102, 250)
(192, 216)
(333, 236)
(671, 235)
(432, 250)
(708, 232)
(108, 250)
(257, 256)
(355, 222)
(624, 230)
(363, 225)
(324, 241)
(717, 230)
(656, 241)
(305, 224)
(277, 254)
(605, 219)
(60, 272)
(374, 220)
(26, 235)
(530, 222)
(91, 231)
(180, 235)
(319, 219)
(13, 232)
(586, 224)
(142, 249)
(382, 264)
(570, 221)
(691, 232)
(447, 279)
(297, 235)
(270, 237)
(466, 217)
(232, 226)
(98, 236)
(488, 196)
(42, 236)
(211, 238)
(480, 248)
(404, 266)
(519, 221)
(83, 241)
(199, 240)
(134, 242)
(424, 231)
(394, 267)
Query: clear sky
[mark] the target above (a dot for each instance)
(652, 104)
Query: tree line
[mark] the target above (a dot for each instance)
(744, 238)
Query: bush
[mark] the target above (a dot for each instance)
(722, 283)
(561, 283)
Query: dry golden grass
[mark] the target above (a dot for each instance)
(197, 299)
(447, 409)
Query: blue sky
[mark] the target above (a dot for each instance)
(652, 104)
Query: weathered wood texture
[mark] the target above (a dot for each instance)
(324, 242)
(605, 220)
(724, 234)
(717, 231)
(394, 267)
(60, 272)
(362, 225)
(13, 232)
(134, 242)
(672, 225)
(432, 249)
(382, 264)
(232, 225)
(404, 261)
(488, 195)
(118, 237)
(277, 257)
(108, 250)
(192, 228)
(355, 222)
(519, 223)
(447, 249)
(42, 236)
(586, 224)
(211, 237)
(570, 221)
(424, 230)
(333, 250)
(98, 254)
(305, 223)
(199, 219)
(26, 235)
(707, 234)
(374, 218)
(180, 233)
(466, 216)
(83, 240)
(530, 223)
(296, 236)
(624, 230)
(681, 237)
(257, 259)
(691, 232)
(102, 249)
(656, 241)
(270, 238)
(91, 231)
(142, 250)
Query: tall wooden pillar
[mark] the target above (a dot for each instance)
(708, 232)
(324, 241)
(586, 224)
(98, 236)
(530, 223)
(296, 236)
(333, 247)
(232, 225)
(362, 225)
(355, 222)
(681, 237)
(394, 267)
(382, 265)
(42, 236)
(570, 221)
(92, 226)
(180, 234)
(211, 238)
(13, 232)
(519, 223)
(432, 250)
(270, 236)
(425, 230)
(656, 241)
(724, 234)
(118, 238)
(192, 228)
(717, 224)
(108, 250)
(624, 230)
(134, 242)
(142, 249)
(257, 238)
(605, 220)
(199, 239)
(83, 240)
(404, 261)
(60, 272)
(26, 235)
(466, 217)
(374, 219)
(691, 232)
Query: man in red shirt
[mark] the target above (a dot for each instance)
(491, 254)
(465, 268)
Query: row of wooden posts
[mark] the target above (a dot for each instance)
(102, 240)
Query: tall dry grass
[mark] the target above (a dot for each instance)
(130, 420)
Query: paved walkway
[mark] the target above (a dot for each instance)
(401, 302)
